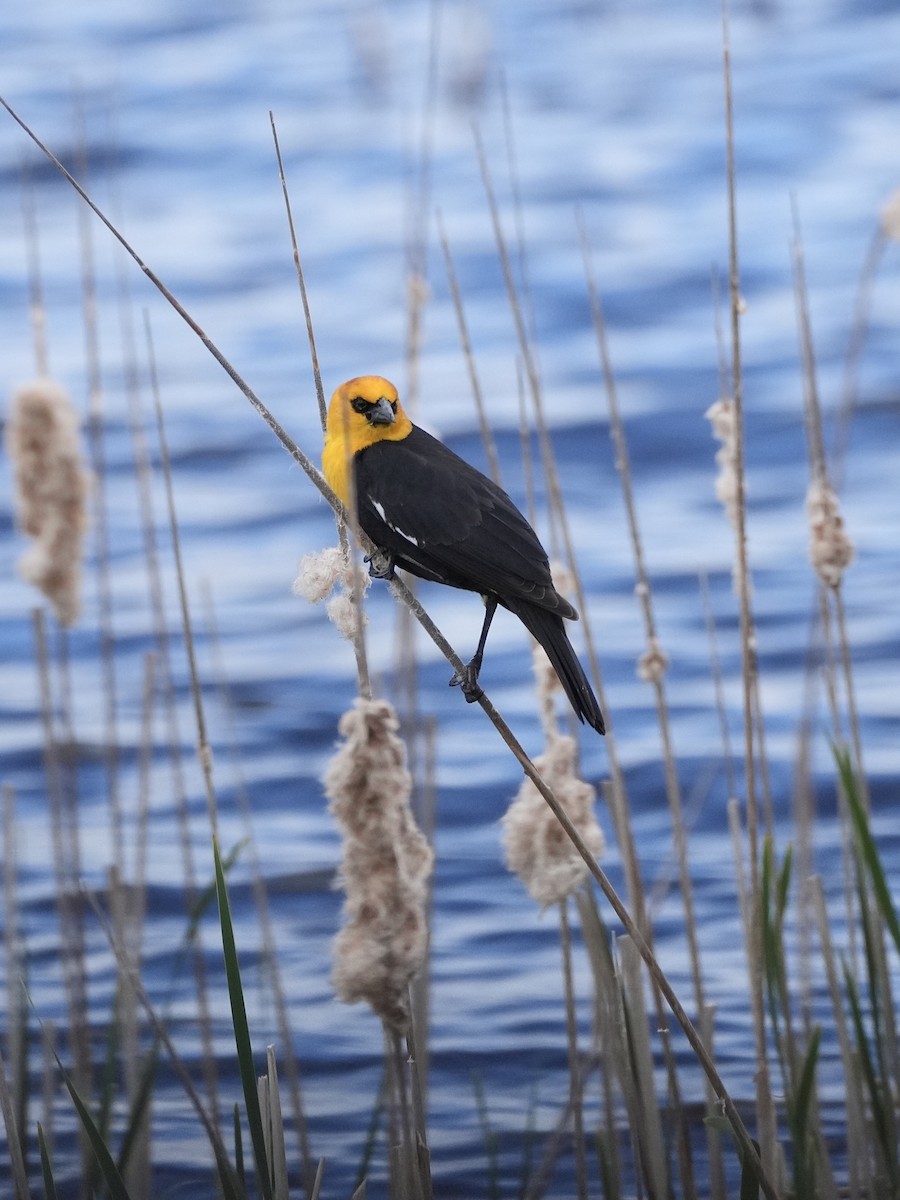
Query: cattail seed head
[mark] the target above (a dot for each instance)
(52, 486)
(385, 867)
(536, 846)
(830, 549)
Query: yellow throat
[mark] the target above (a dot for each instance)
(349, 428)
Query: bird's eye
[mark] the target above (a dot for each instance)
(393, 406)
(359, 405)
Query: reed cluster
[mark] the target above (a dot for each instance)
(821, 964)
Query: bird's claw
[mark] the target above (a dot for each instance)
(381, 564)
(467, 681)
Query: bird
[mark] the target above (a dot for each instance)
(434, 515)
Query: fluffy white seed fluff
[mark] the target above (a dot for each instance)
(536, 846)
(830, 549)
(385, 867)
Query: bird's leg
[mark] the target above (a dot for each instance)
(381, 564)
(467, 679)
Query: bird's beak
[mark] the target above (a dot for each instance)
(382, 413)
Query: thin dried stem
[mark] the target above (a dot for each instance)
(576, 1085)
(72, 951)
(204, 750)
(314, 358)
(36, 307)
(764, 1103)
(487, 437)
(655, 669)
(97, 444)
(199, 965)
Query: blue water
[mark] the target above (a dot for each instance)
(616, 112)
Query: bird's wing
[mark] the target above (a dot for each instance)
(446, 521)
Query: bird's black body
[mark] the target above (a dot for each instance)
(441, 519)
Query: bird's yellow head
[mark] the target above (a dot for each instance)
(362, 411)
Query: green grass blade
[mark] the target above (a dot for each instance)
(239, 1147)
(749, 1181)
(242, 1032)
(140, 1107)
(876, 1097)
(804, 1097)
(14, 1145)
(868, 851)
(50, 1192)
(801, 1108)
(115, 1184)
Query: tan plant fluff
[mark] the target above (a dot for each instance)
(52, 486)
(890, 217)
(385, 867)
(653, 663)
(722, 417)
(320, 573)
(830, 549)
(537, 847)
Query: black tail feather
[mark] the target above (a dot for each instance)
(548, 629)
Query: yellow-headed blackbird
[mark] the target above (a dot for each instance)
(432, 514)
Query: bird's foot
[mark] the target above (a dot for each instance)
(467, 681)
(381, 565)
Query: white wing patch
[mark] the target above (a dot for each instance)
(406, 536)
(379, 508)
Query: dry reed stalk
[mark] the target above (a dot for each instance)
(886, 230)
(37, 308)
(261, 899)
(654, 1158)
(718, 1189)
(487, 437)
(518, 208)
(174, 739)
(652, 666)
(67, 894)
(403, 594)
(576, 1083)
(528, 363)
(765, 1108)
(653, 663)
(861, 1180)
(620, 813)
(419, 211)
(831, 552)
(301, 282)
(97, 445)
(134, 893)
(14, 949)
(204, 749)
